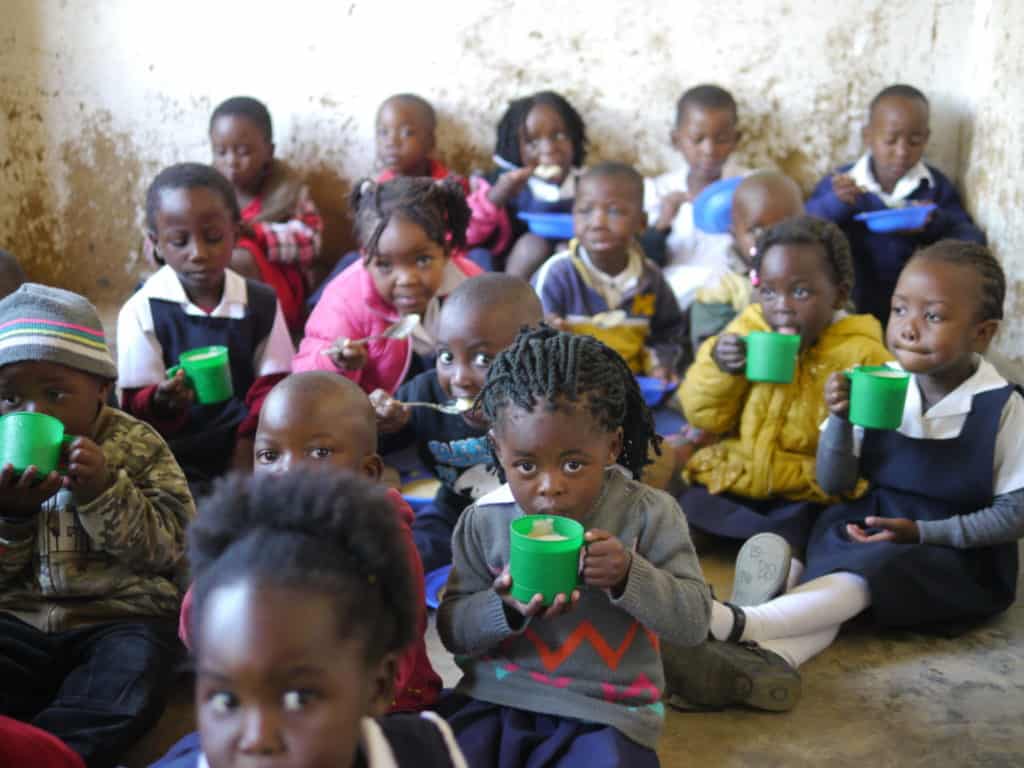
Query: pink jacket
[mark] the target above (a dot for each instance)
(487, 219)
(351, 308)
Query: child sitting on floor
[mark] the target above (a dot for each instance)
(541, 143)
(760, 476)
(933, 544)
(321, 420)
(605, 269)
(195, 301)
(281, 227)
(405, 139)
(891, 174)
(480, 318)
(762, 199)
(89, 559)
(408, 228)
(705, 134)
(541, 685)
(304, 602)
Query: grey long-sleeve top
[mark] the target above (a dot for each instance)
(838, 467)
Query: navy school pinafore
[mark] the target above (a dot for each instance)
(926, 586)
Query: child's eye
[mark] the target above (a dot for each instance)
(55, 394)
(407, 133)
(266, 456)
(932, 317)
(767, 293)
(424, 261)
(213, 236)
(445, 358)
(293, 701)
(382, 266)
(561, 136)
(222, 702)
(10, 399)
(321, 453)
(899, 311)
(572, 467)
(179, 241)
(482, 360)
(525, 467)
(801, 293)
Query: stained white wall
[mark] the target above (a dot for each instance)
(96, 97)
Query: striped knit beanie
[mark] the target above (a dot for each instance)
(40, 323)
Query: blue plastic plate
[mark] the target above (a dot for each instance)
(433, 585)
(554, 226)
(654, 390)
(712, 210)
(896, 219)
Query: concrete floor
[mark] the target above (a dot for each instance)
(892, 700)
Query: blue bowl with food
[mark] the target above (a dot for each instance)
(897, 219)
(654, 390)
(553, 226)
(712, 210)
(434, 584)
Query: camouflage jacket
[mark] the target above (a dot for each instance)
(117, 557)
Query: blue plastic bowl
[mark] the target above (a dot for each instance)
(712, 210)
(433, 585)
(654, 390)
(554, 226)
(896, 219)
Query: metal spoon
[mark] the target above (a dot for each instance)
(462, 405)
(400, 330)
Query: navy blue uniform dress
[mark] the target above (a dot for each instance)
(926, 586)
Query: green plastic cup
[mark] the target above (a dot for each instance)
(539, 566)
(32, 439)
(877, 396)
(208, 373)
(771, 357)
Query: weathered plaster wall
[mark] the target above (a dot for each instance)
(96, 97)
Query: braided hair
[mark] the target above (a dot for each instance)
(329, 532)
(513, 123)
(438, 207)
(977, 257)
(545, 364)
(809, 230)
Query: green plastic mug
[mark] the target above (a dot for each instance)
(771, 357)
(32, 439)
(540, 566)
(208, 374)
(877, 396)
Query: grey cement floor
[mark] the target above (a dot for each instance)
(870, 700)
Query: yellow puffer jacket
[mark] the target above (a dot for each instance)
(773, 454)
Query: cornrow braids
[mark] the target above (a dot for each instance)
(189, 176)
(545, 364)
(513, 123)
(249, 108)
(437, 206)
(809, 230)
(332, 533)
(991, 278)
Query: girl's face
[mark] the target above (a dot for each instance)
(404, 138)
(554, 457)
(544, 140)
(706, 138)
(241, 152)
(408, 267)
(277, 685)
(933, 327)
(195, 234)
(72, 396)
(798, 292)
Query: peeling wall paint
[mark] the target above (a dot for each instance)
(96, 98)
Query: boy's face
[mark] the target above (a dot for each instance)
(408, 267)
(896, 135)
(195, 235)
(545, 140)
(607, 215)
(72, 396)
(706, 138)
(329, 432)
(241, 152)
(933, 326)
(405, 138)
(468, 340)
(554, 460)
(797, 291)
(277, 685)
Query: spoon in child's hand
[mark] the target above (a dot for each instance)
(400, 330)
(462, 405)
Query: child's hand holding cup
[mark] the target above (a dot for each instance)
(730, 353)
(837, 394)
(391, 414)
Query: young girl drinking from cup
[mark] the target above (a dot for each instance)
(407, 228)
(194, 300)
(760, 476)
(578, 680)
(933, 544)
(303, 606)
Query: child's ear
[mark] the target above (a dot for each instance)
(104, 393)
(673, 136)
(615, 449)
(372, 466)
(273, 147)
(495, 447)
(642, 222)
(842, 296)
(382, 686)
(984, 332)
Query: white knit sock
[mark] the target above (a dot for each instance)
(797, 650)
(823, 603)
(722, 620)
(796, 570)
